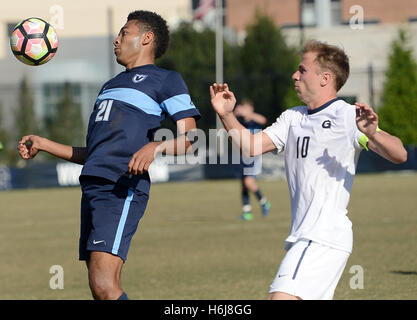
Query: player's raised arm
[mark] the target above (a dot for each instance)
(30, 145)
(379, 141)
(259, 118)
(223, 102)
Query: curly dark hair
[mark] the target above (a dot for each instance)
(151, 21)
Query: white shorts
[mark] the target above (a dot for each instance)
(310, 270)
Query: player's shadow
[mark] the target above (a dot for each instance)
(405, 273)
(336, 169)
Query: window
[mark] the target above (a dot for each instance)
(335, 12)
(308, 13)
(332, 10)
(53, 93)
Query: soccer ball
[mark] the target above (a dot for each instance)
(34, 41)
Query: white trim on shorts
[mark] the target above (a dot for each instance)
(310, 270)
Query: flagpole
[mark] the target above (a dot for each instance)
(219, 61)
(219, 41)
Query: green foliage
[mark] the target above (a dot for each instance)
(26, 122)
(5, 152)
(291, 98)
(67, 126)
(3, 131)
(268, 64)
(261, 69)
(192, 54)
(398, 111)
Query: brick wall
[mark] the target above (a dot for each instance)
(286, 12)
(240, 13)
(385, 11)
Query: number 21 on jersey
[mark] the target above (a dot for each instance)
(104, 110)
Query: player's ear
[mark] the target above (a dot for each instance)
(147, 37)
(326, 78)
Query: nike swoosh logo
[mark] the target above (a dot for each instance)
(97, 242)
(282, 275)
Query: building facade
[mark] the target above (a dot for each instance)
(85, 55)
(364, 28)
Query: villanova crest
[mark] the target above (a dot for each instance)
(139, 77)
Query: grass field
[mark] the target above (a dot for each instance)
(190, 244)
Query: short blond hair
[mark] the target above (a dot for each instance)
(331, 58)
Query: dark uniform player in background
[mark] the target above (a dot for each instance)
(115, 181)
(250, 167)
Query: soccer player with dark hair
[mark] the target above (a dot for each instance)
(251, 167)
(321, 142)
(120, 148)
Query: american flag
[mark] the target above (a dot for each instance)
(204, 6)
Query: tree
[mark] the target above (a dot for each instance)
(25, 121)
(291, 98)
(4, 141)
(8, 150)
(398, 110)
(261, 69)
(267, 64)
(67, 125)
(192, 54)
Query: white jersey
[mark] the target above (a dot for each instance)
(321, 152)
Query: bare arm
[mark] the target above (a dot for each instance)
(248, 115)
(381, 142)
(180, 144)
(143, 158)
(223, 102)
(388, 146)
(30, 145)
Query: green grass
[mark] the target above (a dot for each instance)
(190, 244)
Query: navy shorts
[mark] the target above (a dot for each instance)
(250, 166)
(110, 215)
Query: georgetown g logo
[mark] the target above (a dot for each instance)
(326, 124)
(139, 77)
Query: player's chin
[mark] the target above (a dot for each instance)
(119, 59)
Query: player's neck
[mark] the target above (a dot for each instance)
(140, 61)
(321, 100)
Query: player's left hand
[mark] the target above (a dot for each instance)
(366, 119)
(142, 159)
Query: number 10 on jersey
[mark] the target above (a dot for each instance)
(104, 110)
(302, 146)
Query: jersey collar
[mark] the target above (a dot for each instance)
(324, 106)
(139, 67)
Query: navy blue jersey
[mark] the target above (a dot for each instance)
(128, 111)
(251, 125)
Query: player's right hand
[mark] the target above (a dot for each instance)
(28, 146)
(222, 99)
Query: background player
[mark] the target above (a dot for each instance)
(250, 167)
(321, 142)
(114, 179)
